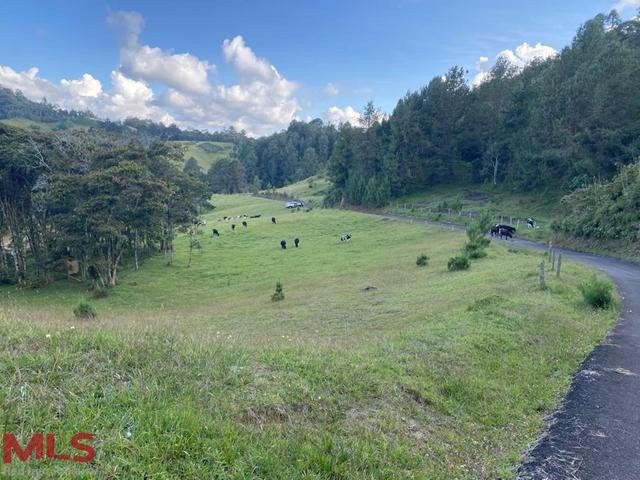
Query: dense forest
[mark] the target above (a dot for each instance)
(557, 124)
(89, 199)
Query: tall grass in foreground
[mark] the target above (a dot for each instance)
(195, 373)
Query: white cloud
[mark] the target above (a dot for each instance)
(523, 55)
(624, 4)
(336, 115)
(331, 90)
(87, 86)
(260, 101)
(182, 71)
(72, 94)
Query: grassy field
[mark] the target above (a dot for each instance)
(310, 190)
(193, 373)
(206, 153)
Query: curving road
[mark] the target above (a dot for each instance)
(595, 434)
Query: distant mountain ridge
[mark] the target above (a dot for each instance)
(18, 108)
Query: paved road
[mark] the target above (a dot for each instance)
(595, 434)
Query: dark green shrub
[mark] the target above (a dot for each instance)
(84, 310)
(422, 260)
(460, 262)
(597, 292)
(476, 250)
(278, 294)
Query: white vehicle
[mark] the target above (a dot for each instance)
(294, 204)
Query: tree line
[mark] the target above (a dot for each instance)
(93, 199)
(557, 124)
(300, 151)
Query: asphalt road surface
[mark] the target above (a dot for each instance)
(595, 434)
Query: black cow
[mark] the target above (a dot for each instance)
(233, 226)
(273, 220)
(296, 241)
(244, 224)
(215, 232)
(495, 230)
(345, 238)
(505, 232)
(283, 244)
(255, 216)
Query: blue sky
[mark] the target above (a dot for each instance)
(329, 56)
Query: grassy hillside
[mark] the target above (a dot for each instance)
(459, 204)
(310, 190)
(195, 373)
(206, 153)
(28, 124)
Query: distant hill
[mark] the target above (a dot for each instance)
(206, 153)
(17, 110)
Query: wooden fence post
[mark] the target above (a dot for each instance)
(541, 274)
(553, 259)
(559, 263)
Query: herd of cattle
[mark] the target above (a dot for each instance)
(506, 231)
(345, 237)
(498, 230)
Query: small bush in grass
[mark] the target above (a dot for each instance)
(84, 310)
(422, 260)
(476, 250)
(278, 294)
(597, 292)
(460, 262)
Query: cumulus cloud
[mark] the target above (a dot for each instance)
(259, 102)
(523, 55)
(336, 115)
(182, 71)
(76, 94)
(331, 90)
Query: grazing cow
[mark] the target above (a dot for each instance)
(495, 230)
(505, 232)
(244, 224)
(224, 218)
(233, 226)
(283, 244)
(273, 220)
(296, 241)
(346, 237)
(215, 232)
(531, 223)
(255, 216)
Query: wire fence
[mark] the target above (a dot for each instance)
(453, 212)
